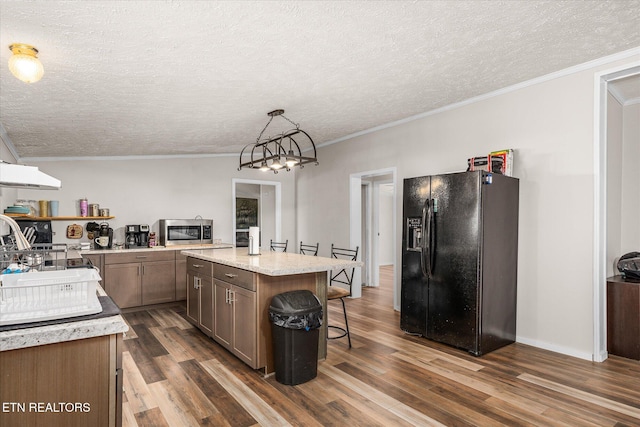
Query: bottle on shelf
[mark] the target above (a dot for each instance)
(84, 207)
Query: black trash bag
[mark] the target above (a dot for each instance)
(629, 265)
(296, 310)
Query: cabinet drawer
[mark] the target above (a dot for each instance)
(139, 256)
(243, 278)
(199, 266)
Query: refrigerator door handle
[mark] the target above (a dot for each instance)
(431, 236)
(423, 242)
(428, 255)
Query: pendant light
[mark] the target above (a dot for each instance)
(270, 153)
(24, 63)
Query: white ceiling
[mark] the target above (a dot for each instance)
(196, 77)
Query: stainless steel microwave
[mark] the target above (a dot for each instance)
(186, 231)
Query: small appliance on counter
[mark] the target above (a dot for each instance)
(186, 232)
(136, 236)
(254, 240)
(104, 239)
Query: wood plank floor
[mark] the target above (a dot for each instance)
(176, 376)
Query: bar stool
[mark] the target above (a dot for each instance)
(345, 277)
(278, 246)
(309, 249)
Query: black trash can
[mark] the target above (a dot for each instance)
(295, 317)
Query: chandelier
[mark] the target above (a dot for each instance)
(283, 151)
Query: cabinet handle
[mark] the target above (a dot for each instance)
(226, 296)
(138, 270)
(198, 265)
(196, 283)
(232, 276)
(231, 296)
(141, 256)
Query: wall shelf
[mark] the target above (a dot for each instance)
(61, 218)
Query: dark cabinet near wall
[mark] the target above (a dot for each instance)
(139, 278)
(136, 278)
(623, 317)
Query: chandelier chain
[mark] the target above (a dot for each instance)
(297, 125)
(265, 128)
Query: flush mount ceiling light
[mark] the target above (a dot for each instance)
(24, 63)
(281, 151)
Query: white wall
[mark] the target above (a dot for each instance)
(630, 211)
(550, 125)
(614, 183)
(144, 191)
(385, 224)
(623, 181)
(268, 217)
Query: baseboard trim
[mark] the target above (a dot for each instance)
(555, 348)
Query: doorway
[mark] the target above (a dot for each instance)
(373, 203)
(603, 80)
(255, 203)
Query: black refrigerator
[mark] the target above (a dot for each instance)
(459, 259)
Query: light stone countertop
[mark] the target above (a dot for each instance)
(271, 263)
(158, 248)
(61, 332)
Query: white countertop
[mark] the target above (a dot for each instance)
(61, 332)
(271, 263)
(157, 248)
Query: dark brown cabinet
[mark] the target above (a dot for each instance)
(87, 371)
(200, 298)
(142, 278)
(623, 317)
(97, 260)
(181, 276)
(235, 312)
(240, 307)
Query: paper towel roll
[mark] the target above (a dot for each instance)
(254, 240)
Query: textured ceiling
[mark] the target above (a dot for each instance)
(196, 77)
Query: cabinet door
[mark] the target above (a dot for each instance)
(222, 327)
(158, 282)
(181, 277)
(122, 283)
(244, 325)
(193, 298)
(72, 371)
(206, 305)
(97, 260)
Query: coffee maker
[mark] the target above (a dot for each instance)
(136, 236)
(104, 238)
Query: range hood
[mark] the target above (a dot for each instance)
(28, 177)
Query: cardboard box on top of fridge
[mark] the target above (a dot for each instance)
(507, 160)
(497, 162)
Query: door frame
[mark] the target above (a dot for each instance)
(601, 83)
(355, 226)
(278, 202)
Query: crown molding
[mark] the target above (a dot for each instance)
(548, 77)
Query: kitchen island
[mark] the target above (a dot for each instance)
(229, 294)
(63, 374)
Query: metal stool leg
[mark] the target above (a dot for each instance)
(345, 330)
(346, 323)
